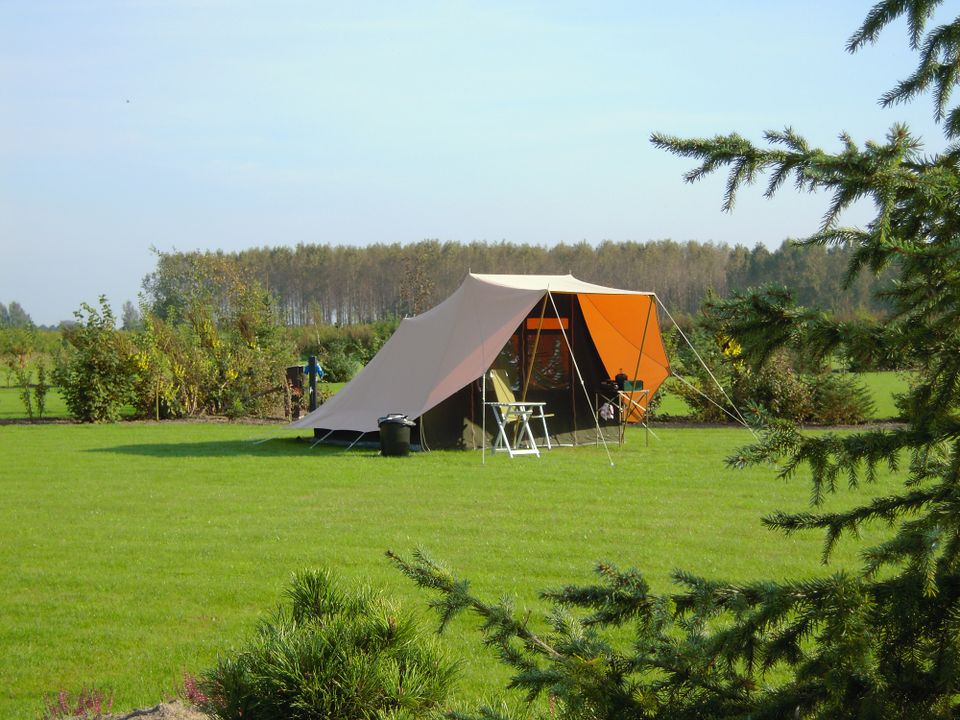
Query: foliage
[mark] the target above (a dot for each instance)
(89, 704)
(32, 395)
(879, 642)
(347, 285)
(778, 387)
(192, 692)
(331, 653)
(41, 389)
(840, 399)
(130, 316)
(17, 346)
(210, 342)
(417, 283)
(579, 663)
(342, 351)
(98, 379)
(730, 386)
(14, 316)
(23, 376)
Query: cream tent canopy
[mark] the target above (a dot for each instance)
(434, 356)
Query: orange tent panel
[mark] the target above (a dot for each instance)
(626, 332)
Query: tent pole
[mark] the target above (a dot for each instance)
(643, 339)
(271, 436)
(483, 415)
(715, 381)
(317, 442)
(355, 441)
(580, 377)
(536, 345)
(483, 386)
(636, 370)
(573, 385)
(532, 357)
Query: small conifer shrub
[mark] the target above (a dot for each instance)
(330, 653)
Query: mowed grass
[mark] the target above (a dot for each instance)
(131, 553)
(883, 388)
(11, 405)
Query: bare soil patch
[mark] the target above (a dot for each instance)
(172, 710)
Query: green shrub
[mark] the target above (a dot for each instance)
(98, 378)
(330, 653)
(778, 387)
(211, 342)
(207, 361)
(41, 388)
(343, 351)
(339, 365)
(840, 400)
(23, 375)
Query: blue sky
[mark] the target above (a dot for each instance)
(224, 125)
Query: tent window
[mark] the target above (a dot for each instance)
(509, 360)
(551, 363)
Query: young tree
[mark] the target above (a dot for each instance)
(332, 652)
(882, 641)
(17, 316)
(131, 316)
(98, 379)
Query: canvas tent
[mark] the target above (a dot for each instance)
(559, 339)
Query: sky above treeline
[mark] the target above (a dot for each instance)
(215, 124)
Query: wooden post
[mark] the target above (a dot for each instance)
(312, 370)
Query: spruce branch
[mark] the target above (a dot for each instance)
(500, 623)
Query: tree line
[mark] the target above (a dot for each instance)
(14, 316)
(339, 284)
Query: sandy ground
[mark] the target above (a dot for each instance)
(173, 710)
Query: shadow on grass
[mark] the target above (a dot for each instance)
(277, 447)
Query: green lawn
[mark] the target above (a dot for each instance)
(882, 387)
(11, 406)
(130, 553)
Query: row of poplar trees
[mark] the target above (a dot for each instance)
(327, 284)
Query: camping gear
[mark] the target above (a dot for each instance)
(556, 338)
(395, 434)
(508, 412)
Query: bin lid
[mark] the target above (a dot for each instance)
(395, 419)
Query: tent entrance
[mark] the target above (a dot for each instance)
(543, 360)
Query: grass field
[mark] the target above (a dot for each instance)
(130, 553)
(11, 406)
(883, 386)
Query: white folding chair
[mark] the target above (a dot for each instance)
(507, 411)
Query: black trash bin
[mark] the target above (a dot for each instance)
(395, 434)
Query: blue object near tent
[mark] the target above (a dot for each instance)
(320, 373)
